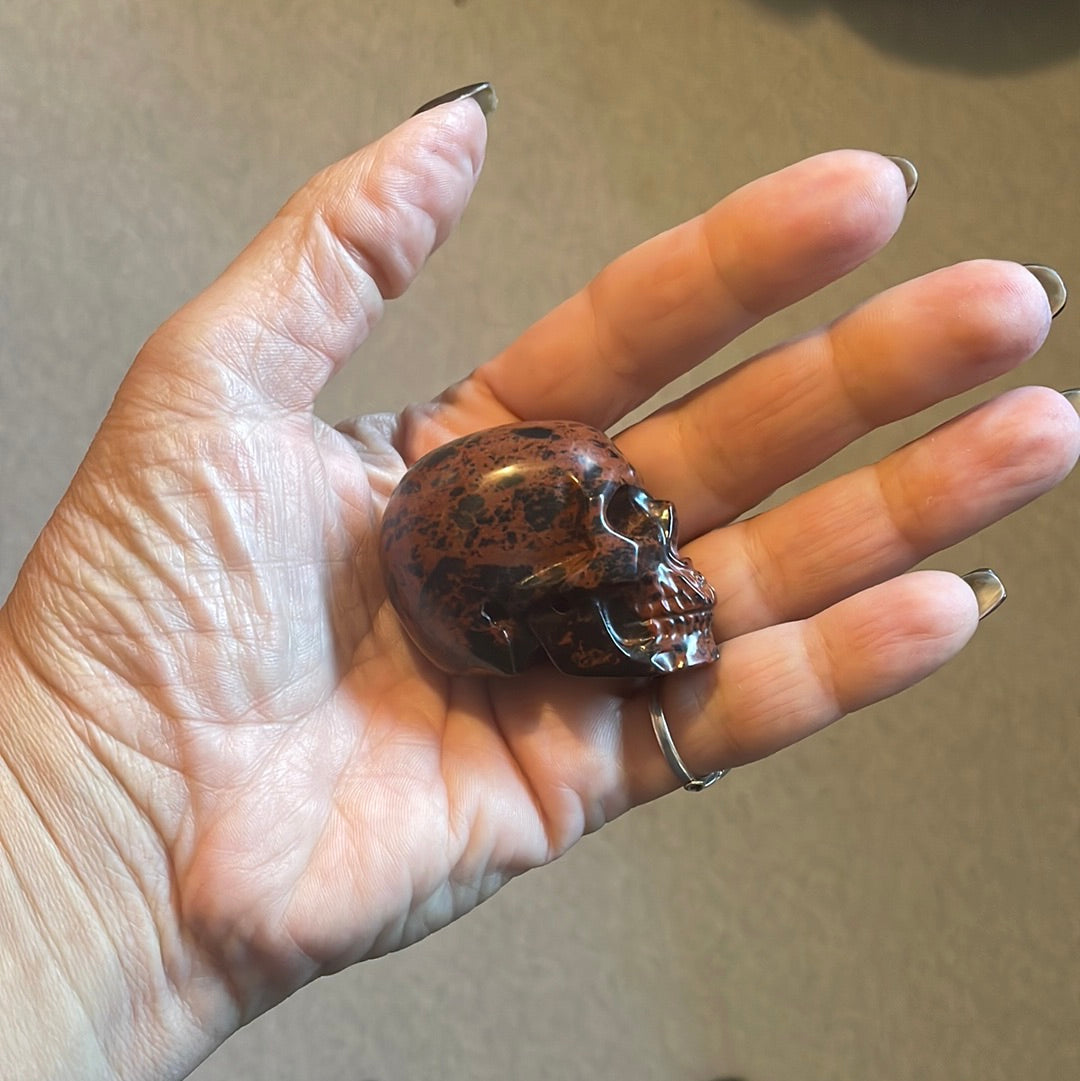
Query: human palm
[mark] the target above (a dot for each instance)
(207, 602)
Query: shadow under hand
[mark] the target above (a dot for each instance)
(983, 36)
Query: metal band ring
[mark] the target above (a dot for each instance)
(671, 754)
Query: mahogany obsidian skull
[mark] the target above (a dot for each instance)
(534, 539)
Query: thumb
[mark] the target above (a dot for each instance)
(279, 322)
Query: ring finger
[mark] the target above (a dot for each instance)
(859, 529)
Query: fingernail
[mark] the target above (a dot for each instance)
(1052, 284)
(1073, 397)
(482, 93)
(910, 173)
(988, 590)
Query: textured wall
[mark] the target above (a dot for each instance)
(894, 899)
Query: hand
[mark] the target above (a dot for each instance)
(277, 784)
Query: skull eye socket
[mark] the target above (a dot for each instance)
(624, 509)
(493, 613)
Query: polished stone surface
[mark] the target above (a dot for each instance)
(534, 543)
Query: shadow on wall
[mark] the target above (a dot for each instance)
(981, 36)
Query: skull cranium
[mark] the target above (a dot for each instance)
(536, 539)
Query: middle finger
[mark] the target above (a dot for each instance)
(726, 446)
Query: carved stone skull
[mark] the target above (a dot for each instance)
(535, 539)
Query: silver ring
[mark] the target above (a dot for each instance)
(667, 745)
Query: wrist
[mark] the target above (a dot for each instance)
(92, 971)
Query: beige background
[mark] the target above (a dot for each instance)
(894, 899)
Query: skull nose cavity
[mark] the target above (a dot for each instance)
(664, 513)
(632, 513)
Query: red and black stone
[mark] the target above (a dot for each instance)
(533, 540)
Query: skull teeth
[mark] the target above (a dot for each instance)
(663, 630)
(677, 605)
(683, 593)
(673, 626)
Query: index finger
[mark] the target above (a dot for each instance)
(669, 304)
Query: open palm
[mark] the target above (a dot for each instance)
(207, 601)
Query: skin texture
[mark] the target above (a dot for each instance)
(225, 771)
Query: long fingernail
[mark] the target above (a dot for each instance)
(988, 589)
(1073, 397)
(1052, 284)
(910, 173)
(482, 93)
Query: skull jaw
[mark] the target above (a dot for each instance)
(694, 646)
(585, 641)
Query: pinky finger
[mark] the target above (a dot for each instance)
(775, 686)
